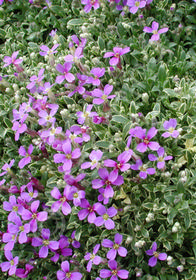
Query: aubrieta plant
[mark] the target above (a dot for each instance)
(97, 174)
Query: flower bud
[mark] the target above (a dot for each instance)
(145, 97)
(180, 268)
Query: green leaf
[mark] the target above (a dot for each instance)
(162, 73)
(74, 22)
(120, 119)
(103, 144)
(2, 33)
(8, 123)
(101, 43)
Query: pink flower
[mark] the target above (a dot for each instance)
(170, 127)
(66, 274)
(89, 4)
(161, 159)
(11, 264)
(115, 247)
(135, 5)
(155, 31)
(117, 52)
(92, 258)
(27, 158)
(94, 156)
(106, 214)
(102, 96)
(64, 69)
(141, 134)
(156, 255)
(143, 169)
(114, 271)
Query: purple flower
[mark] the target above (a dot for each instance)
(111, 255)
(156, 255)
(66, 158)
(46, 51)
(122, 158)
(95, 156)
(97, 72)
(78, 195)
(19, 128)
(19, 227)
(35, 80)
(89, 4)
(108, 179)
(83, 116)
(143, 169)
(53, 33)
(64, 69)
(135, 5)
(13, 207)
(34, 215)
(75, 57)
(22, 273)
(73, 241)
(155, 31)
(66, 274)
(114, 272)
(62, 250)
(62, 200)
(6, 167)
(10, 237)
(161, 159)
(11, 264)
(36, 242)
(92, 258)
(141, 134)
(12, 60)
(170, 126)
(103, 96)
(117, 52)
(89, 211)
(27, 158)
(106, 214)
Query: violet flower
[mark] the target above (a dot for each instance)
(102, 96)
(36, 242)
(170, 127)
(155, 31)
(115, 247)
(64, 69)
(156, 255)
(122, 158)
(78, 195)
(23, 273)
(116, 54)
(106, 214)
(6, 167)
(19, 227)
(94, 156)
(46, 51)
(74, 58)
(114, 271)
(134, 5)
(34, 215)
(89, 4)
(92, 258)
(13, 207)
(11, 264)
(66, 158)
(10, 237)
(62, 200)
(66, 274)
(108, 179)
(83, 116)
(141, 134)
(89, 210)
(144, 171)
(161, 159)
(19, 128)
(12, 60)
(35, 80)
(62, 250)
(97, 72)
(27, 158)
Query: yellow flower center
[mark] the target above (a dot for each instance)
(72, 137)
(13, 237)
(21, 228)
(70, 240)
(137, 3)
(85, 114)
(161, 159)
(116, 246)
(46, 242)
(31, 194)
(15, 208)
(146, 141)
(155, 32)
(92, 256)
(63, 199)
(68, 156)
(104, 97)
(75, 195)
(105, 217)
(68, 274)
(52, 131)
(12, 262)
(114, 272)
(171, 129)
(34, 216)
(156, 254)
(142, 168)
(93, 162)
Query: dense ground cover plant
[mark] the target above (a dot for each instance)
(97, 140)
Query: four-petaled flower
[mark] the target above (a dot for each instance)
(66, 274)
(27, 158)
(11, 264)
(102, 96)
(141, 134)
(92, 258)
(114, 273)
(156, 255)
(161, 159)
(115, 247)
(117, 52)
(155, 31)
(170, 127)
